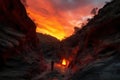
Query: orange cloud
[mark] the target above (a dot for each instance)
(52, 18)
(49, 21)
(49, 25)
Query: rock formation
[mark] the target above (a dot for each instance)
(98, 57)
(19, 46)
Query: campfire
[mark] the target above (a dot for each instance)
(61, 66)
(64, 62)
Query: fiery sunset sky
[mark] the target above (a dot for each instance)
(59, 17)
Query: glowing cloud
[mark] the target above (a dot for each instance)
(59, 17)
(47, 26)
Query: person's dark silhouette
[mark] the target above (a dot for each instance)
(52, 65)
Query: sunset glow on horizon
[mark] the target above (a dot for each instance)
(46, 26)
(59, 17)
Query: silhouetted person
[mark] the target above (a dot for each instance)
(52, 65)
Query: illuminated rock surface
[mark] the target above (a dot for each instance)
(99, 46)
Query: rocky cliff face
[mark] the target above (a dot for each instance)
(16, 26)
(99, 46)
(49, 45)
(19, 51)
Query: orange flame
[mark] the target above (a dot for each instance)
(64, 62)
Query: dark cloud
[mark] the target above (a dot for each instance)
(74, 4)
(69, 4)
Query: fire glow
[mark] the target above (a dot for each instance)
(64, 62)
(62, 66)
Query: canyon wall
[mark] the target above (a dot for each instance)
(20, 55)
(98, 53)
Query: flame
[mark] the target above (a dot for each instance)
(64, 62)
